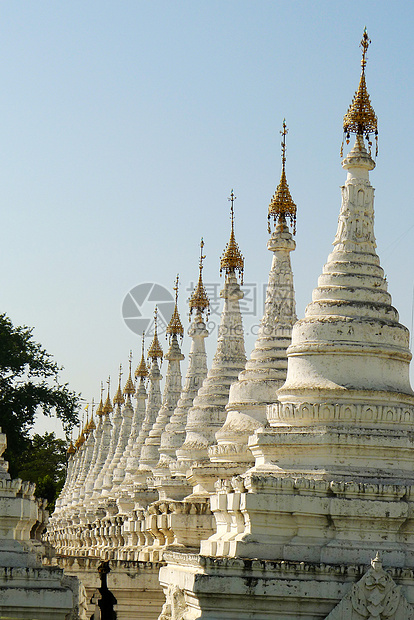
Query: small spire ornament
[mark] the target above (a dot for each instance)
(92, 425)
(199, 300)
(232, 259)
(81, 437)
(175, 325)
(129, 388)
(155, 350)
(80, 440)
(107, 408)
(282, 205)
(118, 398)
(100, 410)
(71, 449)
(142, 370)
(85, 429)
(360, 118)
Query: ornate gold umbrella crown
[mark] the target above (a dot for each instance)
(80, 440)
(71, 449)
(107, 408)
(232, 259)
(142, 370)
(199, 300)
(100, 410)
(175, 325)
(155, 351)
(361, 118)
(129, 388)
(92, 425)
(118, 398)
(85, 429)
(282, 205)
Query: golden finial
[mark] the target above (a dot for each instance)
(71, 449)
(282, 205)
(232, 259)
(142, 370)
(199, 300)
(155, 351)
(91, 425)
(107, 408)
(77, 444)
(118, 398)
(129, 388)
(99, 410)
(175, 325)
(85, 429)
(361, 118)
(81, 437)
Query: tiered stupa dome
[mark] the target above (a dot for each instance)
(207, 414)
(173, 435)
(266, 369)
(347, 403)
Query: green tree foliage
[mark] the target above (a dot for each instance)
(43, 462)
(29, 384)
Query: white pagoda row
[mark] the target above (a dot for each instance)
(277, 487)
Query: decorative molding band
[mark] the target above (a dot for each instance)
(256, 482)
(300, 414)
(229, 449)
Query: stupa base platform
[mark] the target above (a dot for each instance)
(242, 589)
(135, 585)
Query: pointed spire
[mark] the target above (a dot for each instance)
(155, 351)
(80, 440)
(360, 118)
(232, 259)
(175, 325)
(85, 429)
(107, 408)
(71, 449)
(100, 410)
(129, 388)
(92, 425)
(118, 398)
(282, 205)
(142, 369)
(207, 413)
(199, 300)
(150, 450)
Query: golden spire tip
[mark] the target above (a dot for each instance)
(92, 425)
(155, 350)
(99, 410)
(118, 398)
(175, 325)
(232, 259)
(282, 205)
(199, 300)
(142, 370)
(107, 408)
(71, 449)
(360, 118)
(129, 388)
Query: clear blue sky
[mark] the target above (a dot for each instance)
(124, 126)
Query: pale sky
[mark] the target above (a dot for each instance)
(125, 125)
